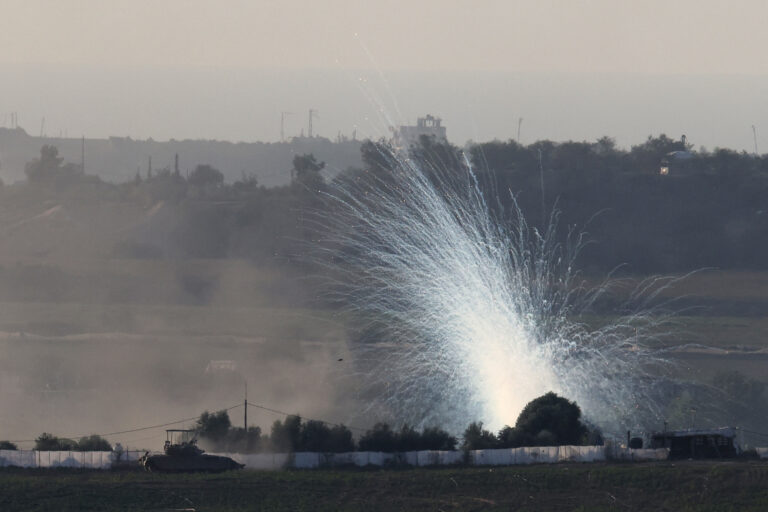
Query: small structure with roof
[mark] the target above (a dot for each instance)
(713, 443)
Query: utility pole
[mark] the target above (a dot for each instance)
(519, 124)
(245, 407)
(282, 124)
(82, 154)
(754, 135)
(176, 164)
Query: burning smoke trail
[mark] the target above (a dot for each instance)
(471, 313)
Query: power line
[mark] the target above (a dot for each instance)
(310, 419)
(176, 422)
(753, 432)
(131, 430)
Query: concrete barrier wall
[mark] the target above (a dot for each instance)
(311, 460)
(18, 458)
(536, 455)
(90, 460)
(497, 457)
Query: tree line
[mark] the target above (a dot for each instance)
(707, 210)
(549, 420)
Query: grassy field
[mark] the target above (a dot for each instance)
(686, 486)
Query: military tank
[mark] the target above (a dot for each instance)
(182, 455)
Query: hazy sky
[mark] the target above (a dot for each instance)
(569, 35)
(65, 59)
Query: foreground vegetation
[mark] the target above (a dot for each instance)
(688, 486)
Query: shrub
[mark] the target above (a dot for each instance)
(7, 445)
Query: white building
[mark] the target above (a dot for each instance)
(406, 136)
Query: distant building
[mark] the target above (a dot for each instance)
(697, 444)
(221, 366)
(430, 126)
(676, 159)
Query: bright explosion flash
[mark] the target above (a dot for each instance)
(470, 314)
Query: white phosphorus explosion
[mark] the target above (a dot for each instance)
(470, 314)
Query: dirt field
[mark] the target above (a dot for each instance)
(686, 486)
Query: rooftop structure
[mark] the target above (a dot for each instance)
(429, 126)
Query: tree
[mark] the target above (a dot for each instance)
(213, 426)
(380, 438)
(205, 176)
(306, 165)
(549, 420)
(286, 436)
(378, 157)
(50, 443)
(477, 438)
(437, 439)
(46, 167)
(246, 186)
(314, 436)
(94, 443)
(7, 445)
(650, 153)
(408, 439)
(340, 440)
(50, 169)
(238, 440)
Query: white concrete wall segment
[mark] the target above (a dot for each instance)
(311, 460)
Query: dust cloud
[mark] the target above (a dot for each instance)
(93, 341)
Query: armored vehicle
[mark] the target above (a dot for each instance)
(181, 454)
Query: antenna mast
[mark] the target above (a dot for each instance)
(312, 114)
